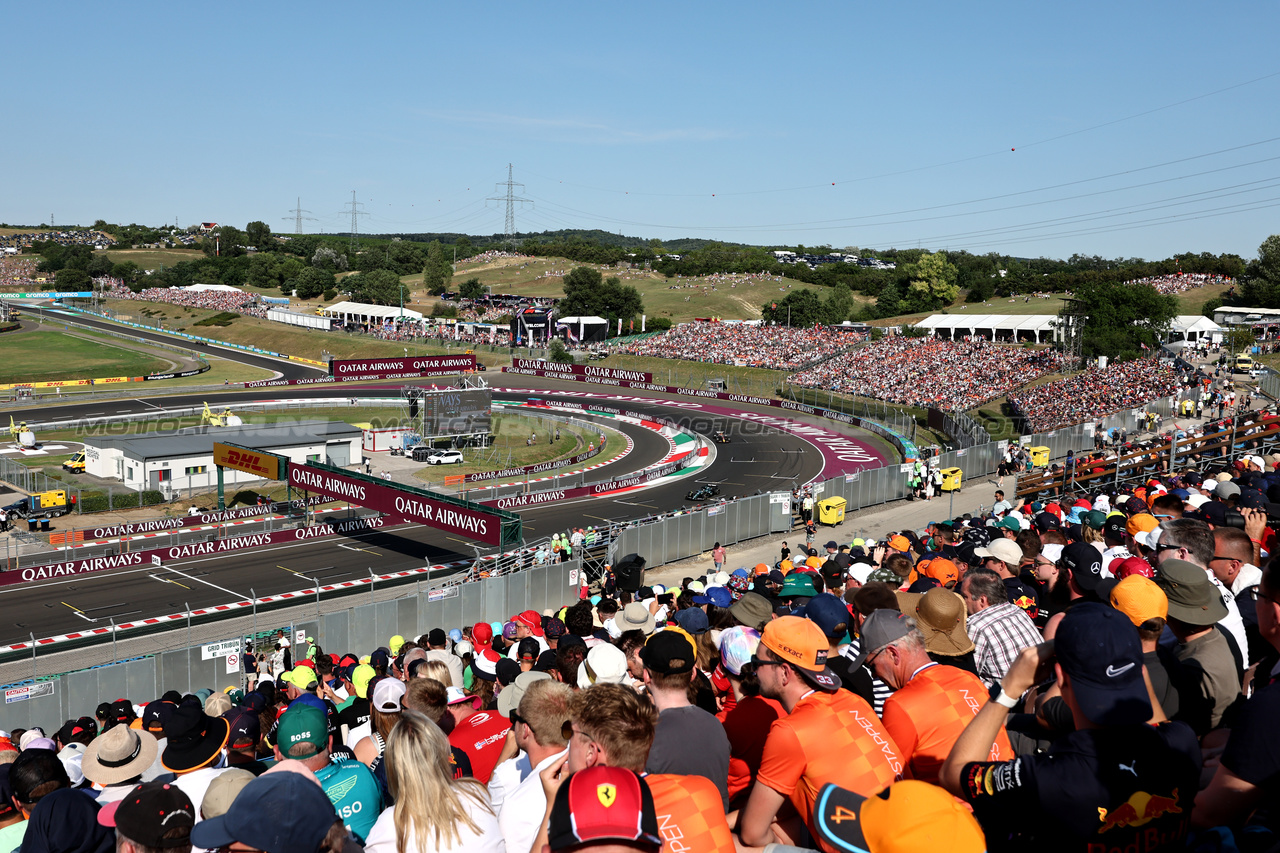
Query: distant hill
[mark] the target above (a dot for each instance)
(567, 235)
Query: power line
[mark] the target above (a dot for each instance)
(509, 229)
(298, 217)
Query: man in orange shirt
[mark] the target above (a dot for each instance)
(932, 703)
(828, 735)
(610, 725)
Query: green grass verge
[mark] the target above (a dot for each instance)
(52, 356)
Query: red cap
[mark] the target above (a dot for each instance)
(531, 620)
(603, 804)
(307, 662)
(481, 635)
(1123, 568)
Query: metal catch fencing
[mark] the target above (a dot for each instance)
(341, 626)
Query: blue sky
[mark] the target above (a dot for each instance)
(1118, 129)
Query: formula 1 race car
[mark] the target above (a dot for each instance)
(702, 493)
(719, 437)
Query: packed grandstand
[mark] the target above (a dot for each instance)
(950, 376)
(744, 344)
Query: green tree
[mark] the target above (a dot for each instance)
(798, 308)
(838, 306)
(312, 282)
(463, 247)
(1122, 318)
(380, 287)
(258, 235)
(471, 289)
(588, 294)
(1261, 285)
(933, 281)
(557, 352)
(437, 271)
(889, 302)
(70, 278)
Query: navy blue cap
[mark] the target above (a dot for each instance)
(1085, 564)
(828, 613)
(1102, 656)
(301, 816)
(1252, 499)
(717, 595)
(1047, 521)
(693, 620)
(1214, 512)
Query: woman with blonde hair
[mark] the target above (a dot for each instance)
(433, 812)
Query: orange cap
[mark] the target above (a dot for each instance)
(1143, 522)
(762, 569)
(801, 643)
(942, 570)
(914, 815)
(785, 566)
(1140, 599)
(899, 543)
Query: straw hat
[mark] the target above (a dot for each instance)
(118, 754)
(940, 615)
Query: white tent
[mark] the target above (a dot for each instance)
(585, 328)
(1039, 328)
(362, 312)
(222, 288)
(1193, 327)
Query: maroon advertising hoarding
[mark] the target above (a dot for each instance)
(398, 503)
(398, 368)
(159, 525)
(87, 565)
(579, 371)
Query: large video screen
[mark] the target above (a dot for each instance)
(456, 412)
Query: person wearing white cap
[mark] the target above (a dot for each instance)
(858, 575)
(605, 664)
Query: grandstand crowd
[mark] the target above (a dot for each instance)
(1095, 392)
(775, 347)
(18, 271)
(1096, 671)
(1180, 282)
(952, 376)
(236, 301)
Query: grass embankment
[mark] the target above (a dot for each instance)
(154, 259)
(277, 337)
(729, 296)
(512, 450)
(49, 356)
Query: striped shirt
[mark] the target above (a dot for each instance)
(999, 633)
(880, 691)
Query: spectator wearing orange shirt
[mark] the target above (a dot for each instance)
(828, 735)
(932, 703)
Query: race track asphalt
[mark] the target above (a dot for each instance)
(759, 459)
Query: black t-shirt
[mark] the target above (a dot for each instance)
(355, 714)
(1124, 788)
(1253, 751)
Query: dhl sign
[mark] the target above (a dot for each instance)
(256, 462)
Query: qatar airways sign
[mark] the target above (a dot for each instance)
(442, 515)
(580, 371)
(398, 368)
